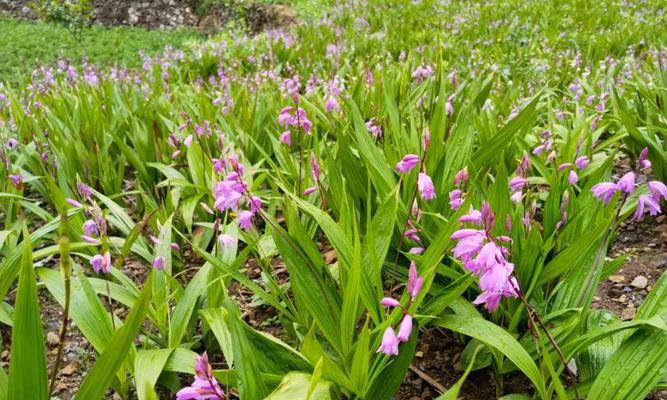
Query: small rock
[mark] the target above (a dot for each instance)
(419, 354)
(52, 339)
(640, 282)
(572, 366)
(616, 278)
(628, 313)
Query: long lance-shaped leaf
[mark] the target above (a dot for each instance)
(148, 366)
(500, 140)
(27, 368)
(496, 337)
(634, 369)
(100, 376)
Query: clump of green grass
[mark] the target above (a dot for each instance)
(27, 44)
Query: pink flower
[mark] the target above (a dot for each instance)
(425, 186)
(518, 183)
(285, 117)
(205, 386)
(85, 190)
(649, 202)
(627, 183)
(415, 282)
(466, 233)
(455, 199)
(101, 262)
(226, 240)
(412, 234)
(483, 257)
(90, 228)
(473, 216)
(389, 345)
(12, 143)
(466, 248)
(407, 163)
(416, 250)
(74, 203)
(422, 73)
(389, 302)
(97, 262)
(604, 191)
(299, 118)
(286, 138)
(228, 194)
(427, 139)
(405, 329)
(314, 168)
(374, 129)
(255, 204)
(572, 177)
(657, 189)
(332, 105)
(489, 299)
(310, 190)
(581, 162)
(159, 262)
(244, 219)
(89, 239)
(461, 177)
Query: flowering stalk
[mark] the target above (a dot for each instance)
(605, 191)
(66, 269)
(424, 185)
(482, 255)
(390, 339)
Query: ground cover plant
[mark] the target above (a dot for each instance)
(27, 45)
(359, 179)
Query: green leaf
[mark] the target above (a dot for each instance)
(186, 305)
(487, 151)
(251, 385)
(148, 366)
(101, 374)
(297, 385)
(86, 310)
(311, 285)
(496, 337)
(181, 360)
(635, 368)
(591, 360)
(27, 368)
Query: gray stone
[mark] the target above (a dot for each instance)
(640, 282)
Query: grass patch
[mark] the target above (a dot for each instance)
(27, 44)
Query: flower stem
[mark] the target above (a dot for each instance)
(66, 268)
